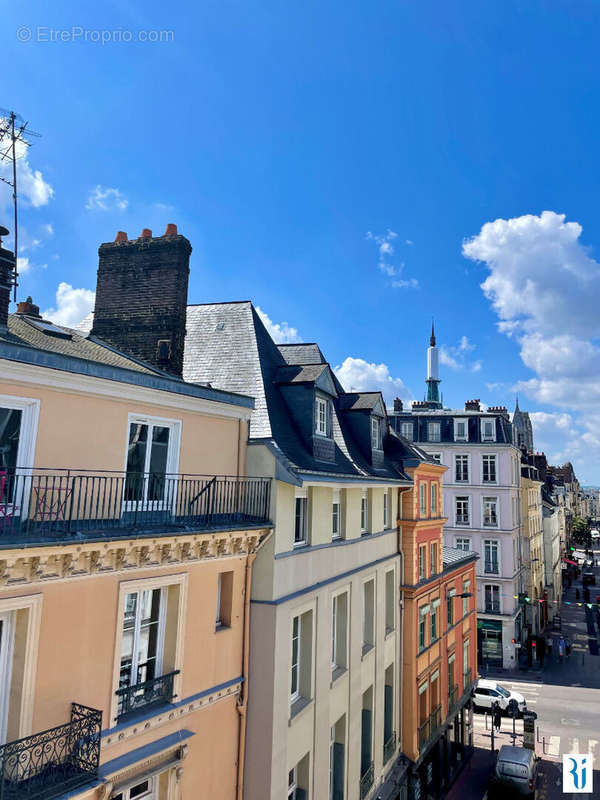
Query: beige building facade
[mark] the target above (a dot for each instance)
(533, 550)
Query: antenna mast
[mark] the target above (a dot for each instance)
(13, 129)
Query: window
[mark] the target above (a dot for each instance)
(146, 790)
(462, 511)
(433, 432)
(293, 784)
(376, 438)
(461, 430)
(451, 672)
(462, 543)
(301, 663)
(151, 455)
(433, 499)
(298, 780)
(224, 599)
(423, 611)
(488, 430)
(461, 468)
(368, 633)
(337, 740)
(490, 512)
(407, 430)
(422, 499)
(386, 511)
(466, 667)
(18, 425)
(364, 512)
(433, 620)
(390, 601)
(433, 557)
(437, 457)
(143, 636)
(492, 599)
(488, 469)
(450, 606)
(422, 562)
(335, 515)
(491, 549)
(321, 416)
(339, 625)
(300, 522)
(466, 590)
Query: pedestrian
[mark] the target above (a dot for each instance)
(549, 646)
(561, 649)
(497, 716)
(568, 647)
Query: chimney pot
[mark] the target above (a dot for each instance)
(171, 229)
(121, 236)
(397, 404)
(28, 308)
(146, 234)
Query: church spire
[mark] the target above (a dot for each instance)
(432, 337)
(433, 380)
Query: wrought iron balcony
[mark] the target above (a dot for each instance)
(145, 694)
(54, 504)
(389, 748)
(436, 720)
(366, 780)
(428, 728)
(52, 762)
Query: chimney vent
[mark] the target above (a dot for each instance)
(28, 308)
(146, 233)
(398, 404)
(171, 229)
(121, 236)
(472, 405)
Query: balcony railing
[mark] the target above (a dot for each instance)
(145, 694)
(53, 762)
(389, 748)
(38, 503)
(366, 781)
(452, 699)
(424, 729)
(428, 728)
(491, 568)
(436, 720)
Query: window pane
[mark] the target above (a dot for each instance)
(136, 461)
(10, 428)
(158, 463)
(141, 788)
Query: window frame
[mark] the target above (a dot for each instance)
(450, 595)
(386, 510)
(497, 548)
(422, 613)
(30, 413)
(488, 499)
(404, 427)
(462, 498)
(364, 512)
(434, 555)
(493, 460)
(171, 467)
(492, 587)
(458, 421)
(321, 404)
(483, 422)
(295, 694)
(336, 515)
(142, 584)
(462, 539)
(422, 562)
(431, 427)
(422, 498)
(376, 432)
(465, 600)
(465, 460)
(433, 505)
(136, 634)
(303, 498)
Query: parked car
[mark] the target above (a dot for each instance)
(588, 576)
(488, 692)
(515, 773)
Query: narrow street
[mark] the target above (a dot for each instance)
(566, 698)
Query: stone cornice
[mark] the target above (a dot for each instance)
(62, 561)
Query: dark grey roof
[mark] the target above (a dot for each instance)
(452, 556)
(20, 331)
(228, 345)
(305, 353)
(358, 401)
(300, 374)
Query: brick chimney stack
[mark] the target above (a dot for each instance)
(27, 308)
(7, 280)
(398, 404)
(141, 296)
(472, 405)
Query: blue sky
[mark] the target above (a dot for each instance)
(279, 136)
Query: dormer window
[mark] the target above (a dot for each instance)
(376, 433)
(433, 432)
(488, 430)
(321, 417)
(461, 433)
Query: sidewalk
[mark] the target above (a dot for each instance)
(472, 782)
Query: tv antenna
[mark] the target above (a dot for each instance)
(14, 131)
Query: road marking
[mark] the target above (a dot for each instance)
(554, 746)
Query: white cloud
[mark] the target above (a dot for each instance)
(72, 305)
(356, 374)
(34, 190)
(281, 332)
(455, 356)
(105, 198)
(544, 286)
(386, 250)
(410, 283)
(408, 241)
(23, 265)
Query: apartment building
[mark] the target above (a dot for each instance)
(536, 603)
(324, 689)
(482, 504)
(128, 529)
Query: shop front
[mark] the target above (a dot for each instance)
(489, 643)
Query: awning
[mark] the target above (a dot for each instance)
(568, 561)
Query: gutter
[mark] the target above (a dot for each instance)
(242, 704)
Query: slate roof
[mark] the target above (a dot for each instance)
(452, 556)
(306, 353)
(228, 345)
(22, 332)
(358, 401)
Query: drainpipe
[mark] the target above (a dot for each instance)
(242, 703)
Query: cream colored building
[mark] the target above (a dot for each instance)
(125, 569)
(324, 700)
(533, 549)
